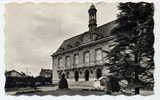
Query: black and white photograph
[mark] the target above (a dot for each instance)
(92, 48)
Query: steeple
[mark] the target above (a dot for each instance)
(92, 18)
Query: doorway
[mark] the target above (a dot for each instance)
(98, 73)
(86, 75)
(76, 75)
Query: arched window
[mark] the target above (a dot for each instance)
(60, 62)
(86, 57)
(98, 54)
(68, 62)
(76, 59)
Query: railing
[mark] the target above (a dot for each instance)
(99, 62)
(87, 64)
(93, 63)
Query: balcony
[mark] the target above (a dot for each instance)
(64, 68)
(93, 63)
(87, 64)
(99, 62)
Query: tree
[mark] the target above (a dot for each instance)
(135, 44)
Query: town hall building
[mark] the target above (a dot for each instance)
(82, 57)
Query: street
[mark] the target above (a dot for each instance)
(65, 92)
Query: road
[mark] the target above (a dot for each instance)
(73, 91)
(65, 92)
(78, 88)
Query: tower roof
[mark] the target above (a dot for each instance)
(92, 8)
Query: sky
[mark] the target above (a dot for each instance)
(34, 31)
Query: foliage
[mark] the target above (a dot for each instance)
(132, 57)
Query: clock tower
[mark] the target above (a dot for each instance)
(92, 18)
(92, 21)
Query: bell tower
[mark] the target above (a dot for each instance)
(92, 18)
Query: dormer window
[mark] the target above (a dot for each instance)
(69, 46)
(61, 48)
(77, 43)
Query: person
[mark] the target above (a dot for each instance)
(63, 84)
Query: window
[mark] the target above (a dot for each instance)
(86, 38)
(60, 62)
(86, 57)
(76, 59)
(98, 55)
(77, 44)
(69, 46)
(67, 61)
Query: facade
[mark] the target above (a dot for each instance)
(46, 73)
(82, 57)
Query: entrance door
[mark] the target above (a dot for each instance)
(76, 75)
(86, 75)
(98, 73)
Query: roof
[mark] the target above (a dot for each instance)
(92, 6)
(20, 73)
(46, 71)
(104, 30)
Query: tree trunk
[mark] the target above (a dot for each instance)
(137, 89)
(137, 58)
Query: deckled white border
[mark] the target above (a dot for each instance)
(156, 96)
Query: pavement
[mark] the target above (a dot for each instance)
(70, 92)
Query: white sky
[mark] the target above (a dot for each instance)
(34, 31)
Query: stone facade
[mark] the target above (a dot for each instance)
(82, 57)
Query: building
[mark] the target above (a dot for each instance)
(14, 73)
(82, 57)
(46, 73)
